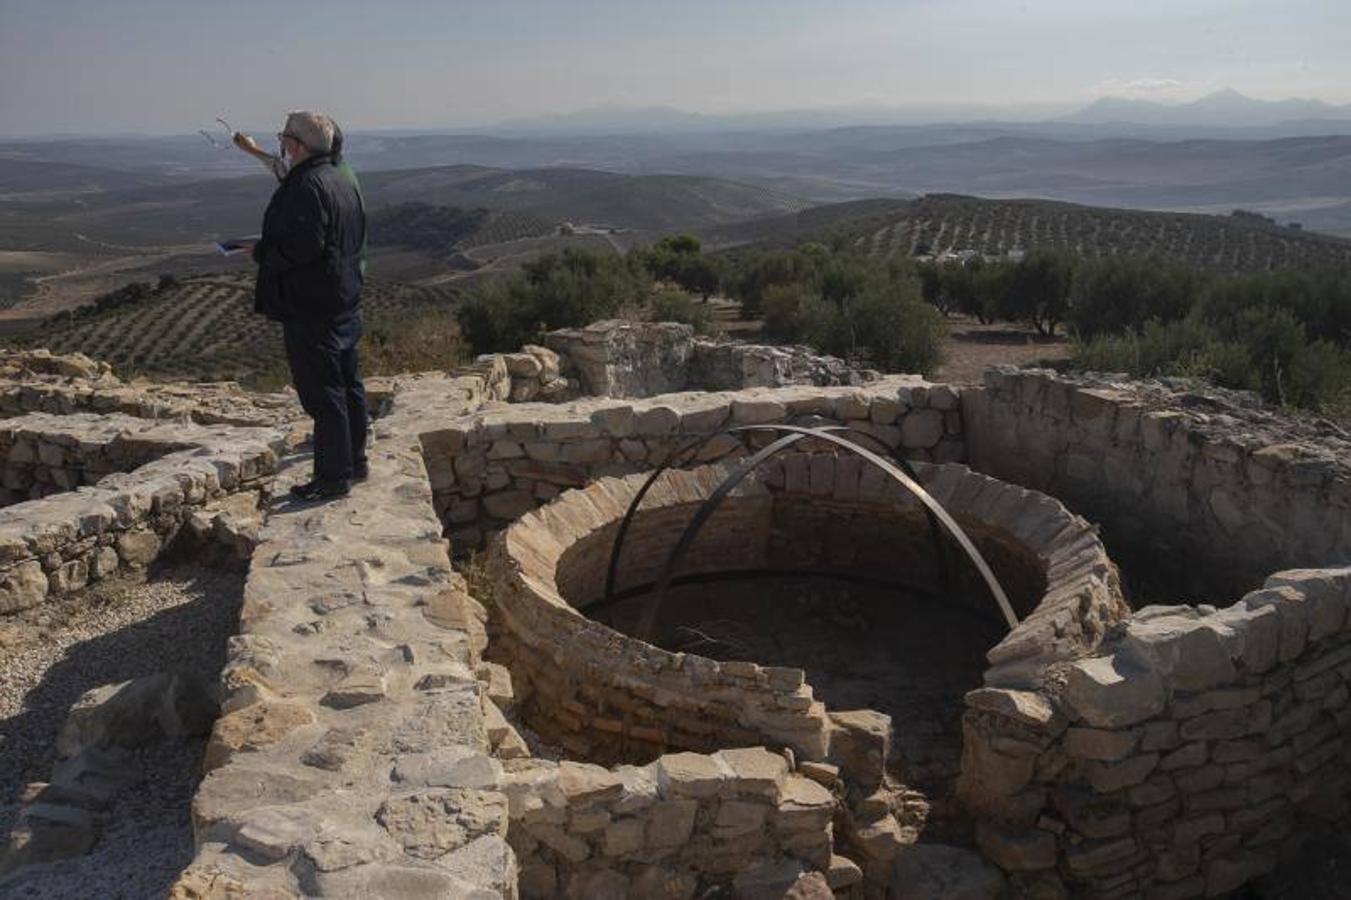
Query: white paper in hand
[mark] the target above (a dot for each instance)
(236, 246)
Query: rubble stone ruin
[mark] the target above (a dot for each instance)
(864, 636)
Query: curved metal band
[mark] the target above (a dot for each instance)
(680, 455)
(709, 506)
(671, 459)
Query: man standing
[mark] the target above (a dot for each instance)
(309, 279)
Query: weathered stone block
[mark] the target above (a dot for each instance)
(859, 745)
(1101, 744)
(138, 548)
(22, 586)
(689, 775)
(1114, 691)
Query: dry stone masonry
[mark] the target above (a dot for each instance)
(128, 488)
(388, 728)
(488, 469)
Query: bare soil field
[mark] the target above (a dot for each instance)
(970, 348)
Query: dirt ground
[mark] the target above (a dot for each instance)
(863, 646)
(970, 348)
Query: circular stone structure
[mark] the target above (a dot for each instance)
(810, 529)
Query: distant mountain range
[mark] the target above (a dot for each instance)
(1226, 108)
(1223, 108)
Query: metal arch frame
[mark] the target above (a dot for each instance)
(792, 434)
(682, 454)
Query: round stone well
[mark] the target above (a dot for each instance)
(815, 602)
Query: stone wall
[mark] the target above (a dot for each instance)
(1197, 494)
(605, 696)
(62, 542)
(354, 756)
(669, 828)
(42, 455)
(488, 469)
(37, 381)
(616, 358)
(1176, 761)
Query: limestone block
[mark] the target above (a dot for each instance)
(767, 880)
(588, 451)
(810, 886)
(1113, 691)
(640, 789)
(656, 421)
(1327, 592)
(431, 823)
(22, 586)
(1108, 777)
(859, 744)
(273, 833)
(921, 428)
(253, 728)
(842, 873)
(803, 805)
(363, 685)
(1292, 609)
(1260, 628)
(583, 783)
(850, 406)
(1193, 654)
(548, 361)
(454, 766)
(944, 397)
(670, 822)
(615, 421)
(689, 775)
(739, 818)
(883, 410)
(758, 411)
(881, 838)
(755, 771)
(523, 365)
(138, 548)
(1029, 708)
(1101, 744)
(624, 837)
(505, 450)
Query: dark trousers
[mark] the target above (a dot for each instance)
(323, 359)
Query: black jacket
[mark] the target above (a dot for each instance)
(309, 256)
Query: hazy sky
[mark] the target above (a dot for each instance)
(171, 66)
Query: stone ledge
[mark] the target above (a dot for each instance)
(62, 542)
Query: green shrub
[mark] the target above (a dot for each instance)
(787, 311)
(558, 290)
(678, 306)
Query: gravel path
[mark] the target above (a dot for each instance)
(178, 620)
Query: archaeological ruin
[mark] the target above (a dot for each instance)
(635, 614)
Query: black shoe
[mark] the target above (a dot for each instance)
(321, 490)
(361, 472)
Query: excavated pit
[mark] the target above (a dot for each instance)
(863, 644)
(790, 605)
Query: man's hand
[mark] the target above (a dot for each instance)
(246, 143)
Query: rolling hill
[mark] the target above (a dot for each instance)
(204, 210)
(940, 223)
(203, 328)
